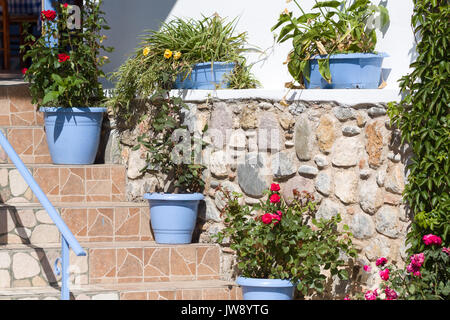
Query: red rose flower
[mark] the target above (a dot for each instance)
(279, 213)
(275, 198)
(62, 57)
(24, 70)
(267, 218)
(65, 5)
(274, 187)
(277, 219)
(48, 15)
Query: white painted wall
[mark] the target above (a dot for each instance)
(129, 18)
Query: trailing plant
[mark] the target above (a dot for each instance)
(174, 49)
(426, 277)
(332, 27)
(277, 240)
(66, 62)
(169, 147)
(423, 117)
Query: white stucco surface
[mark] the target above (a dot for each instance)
(129, 18)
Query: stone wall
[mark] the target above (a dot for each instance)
(347, 156)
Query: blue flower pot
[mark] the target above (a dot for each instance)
(173, 216)
(204, 77)
(73, 134)
(266, 289)
(348, 71)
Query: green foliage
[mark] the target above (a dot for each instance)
(296, 246)
(186, 42)
(333, 27)
(171, 151)
(74, 82)
(423, 118)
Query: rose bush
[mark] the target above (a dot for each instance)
(427, 276)
(277, 240)
(65, 62)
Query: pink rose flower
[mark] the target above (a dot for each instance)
(431, 239)
(367, 268)
(390, 294)
(279, 213)
(446, 250)
(267, 218)
(347, 297)
(417, 259)
(384, 274)
(371, 295)
(381, 261)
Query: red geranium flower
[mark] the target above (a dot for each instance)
(62, 57)
(274, 187)
(275, 198)
(48, 15)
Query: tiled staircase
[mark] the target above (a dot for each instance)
(122, 261)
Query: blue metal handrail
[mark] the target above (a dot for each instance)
(68, 240)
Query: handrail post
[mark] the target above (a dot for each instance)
(65, 263)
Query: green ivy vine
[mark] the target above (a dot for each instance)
(423, 119)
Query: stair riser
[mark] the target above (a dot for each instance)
(16, 108)
(220, 293)
(29, 143)
(34, 226)
(65, 184)
(34, 267)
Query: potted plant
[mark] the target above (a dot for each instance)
(185, 54)
(170, 157)
(281, 246)
(333, 46)
(64, 81)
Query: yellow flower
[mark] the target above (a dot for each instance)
(177, 55)
(146, 51)
(167, 54)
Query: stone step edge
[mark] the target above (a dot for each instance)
(46, 165)
(76, 205)
(103, 245)
(93, 289)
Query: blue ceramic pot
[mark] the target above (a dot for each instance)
(348, 71)
(73, 134)
(173, 216)
(266, 289)
(204, 77)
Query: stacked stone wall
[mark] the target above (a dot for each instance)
(348, 157)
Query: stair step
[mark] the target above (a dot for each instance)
(16, 108)
(29, 142)
(89, 222)
(176, 290)
(65, 183)
(110, 263)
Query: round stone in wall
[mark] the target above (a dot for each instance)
(251, 175)
(362, 226)
(387, 221)
(283, 164)
(24, 266)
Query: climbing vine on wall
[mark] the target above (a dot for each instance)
(423, 118)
